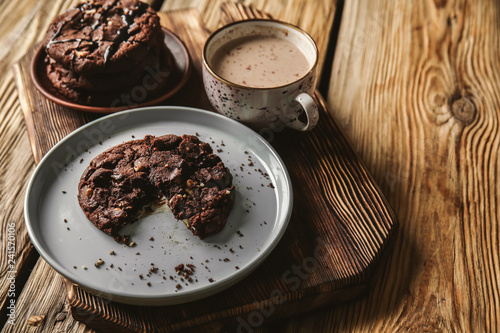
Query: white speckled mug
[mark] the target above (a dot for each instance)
(267, 106)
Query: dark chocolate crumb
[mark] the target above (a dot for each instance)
(64, 192)
(211, 280)
(125, 239)
(152, 239)
(149, 284)
(236, 267)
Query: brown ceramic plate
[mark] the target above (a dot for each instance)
(181, 76)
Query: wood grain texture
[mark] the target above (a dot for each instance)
(348, 255)
(23, 24)
(401, 69)
(53, 288)
(25, 28)
(342, 252)
(18, 33)
(415, 87)
(14, 151)
(47, 123)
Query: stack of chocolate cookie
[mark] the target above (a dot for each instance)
(108, 53)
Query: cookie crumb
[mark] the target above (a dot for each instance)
(99, 263)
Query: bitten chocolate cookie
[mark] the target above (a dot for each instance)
(103, 36)
(120, 182)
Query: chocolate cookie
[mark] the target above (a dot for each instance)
(59, 75)
(120, 89)
(104, 36)
(121, 181)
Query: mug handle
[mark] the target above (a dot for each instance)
(310, 108)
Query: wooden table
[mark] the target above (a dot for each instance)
(414, 87)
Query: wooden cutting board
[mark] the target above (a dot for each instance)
(340, 224)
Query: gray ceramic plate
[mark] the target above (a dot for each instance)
(68, 241)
